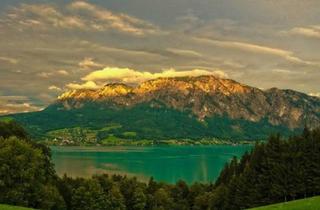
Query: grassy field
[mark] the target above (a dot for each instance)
(303, 204)
(7, 207)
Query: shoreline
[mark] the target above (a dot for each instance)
(143, 143)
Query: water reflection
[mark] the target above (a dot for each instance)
(168, 164)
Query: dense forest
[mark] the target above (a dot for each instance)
(275, 171)
(97, 124)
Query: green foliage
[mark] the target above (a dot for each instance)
(279, 170)
(89, 195)
(115, 198)
(11, 128)
(25, 179)
(6, 119)
(162, 200)
(7, 207)
(142, 121)
(27, 176)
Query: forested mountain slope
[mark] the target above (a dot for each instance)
(174, 108)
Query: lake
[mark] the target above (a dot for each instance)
(164, 163)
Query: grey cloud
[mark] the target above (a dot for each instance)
(308, 32)
(8, 60)
(80, 15)
(184, 52)
(13, 104)
(61, 44)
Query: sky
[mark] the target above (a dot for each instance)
(48, 47)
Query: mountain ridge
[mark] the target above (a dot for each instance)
(206, 96)
(183, 108)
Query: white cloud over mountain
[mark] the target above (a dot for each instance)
(125, 75)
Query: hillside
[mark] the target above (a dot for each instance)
(204, 97)
(303, 204)
(204, 107)
(7, 207)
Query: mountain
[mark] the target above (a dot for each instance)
(179, 108)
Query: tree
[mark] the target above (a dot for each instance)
(11, 128)
(138, 199)
(24, 177)
(180, 193)
(162, 200)
(115, 199)
(202, 201)
(89, 195)
(51, 198)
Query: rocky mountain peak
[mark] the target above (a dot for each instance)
(114, 89)
(207, 96)
(207, 84)
(76, 94)
(185, 85)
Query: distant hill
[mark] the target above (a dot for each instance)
(173, 108)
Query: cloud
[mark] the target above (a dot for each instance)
(79, 15)
(52, 38)
(89, 63)
(310, 32)
(42, 16)
(185, 53)
(134, 76)
(9, 60)
(246, 47)
(62, 72)
(14, 104)
(44, 74)
(282, 71)
(50, 74)
(121, 52)
(261, 49)
(98, 78)
(107, 19)
(87, 85)
(315, 94)
(16, 108)
(54, 88)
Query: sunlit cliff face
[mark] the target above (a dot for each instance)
(204, 96)
(184, 85)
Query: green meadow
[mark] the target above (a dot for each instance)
(303, 204)
(7, 207)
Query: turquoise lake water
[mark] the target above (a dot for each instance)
(164, 163)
